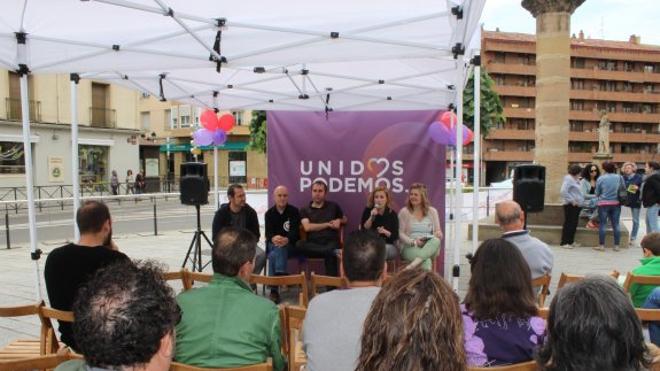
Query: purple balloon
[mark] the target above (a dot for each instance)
(439, 133)
(466, 135)
(219, 137)
(203, 137)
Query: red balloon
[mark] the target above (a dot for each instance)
(209, 120)
(470, 137)
(448, 119)
(226, 122)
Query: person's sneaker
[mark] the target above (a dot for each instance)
(576, 245)
(616, 248)
(566, 246)
(592, 225)
(599, 248)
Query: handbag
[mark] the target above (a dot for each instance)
(622, 193)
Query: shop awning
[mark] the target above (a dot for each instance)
(231, 146)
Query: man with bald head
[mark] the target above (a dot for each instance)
(511, 219)
(282, 228)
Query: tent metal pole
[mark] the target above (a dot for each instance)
(150, 9)
(215, 177)
(29, 180)
(459, 187)
(75, 179)
(476, 167)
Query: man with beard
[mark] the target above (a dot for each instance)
(70, 266)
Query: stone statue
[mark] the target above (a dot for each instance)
(604, 134)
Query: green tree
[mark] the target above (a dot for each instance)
(258, 132)
(491, 106)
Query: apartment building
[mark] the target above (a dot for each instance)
(108, 130)
(621, 78)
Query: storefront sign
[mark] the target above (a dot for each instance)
(151, 167)
(237, 168)
(55, 169)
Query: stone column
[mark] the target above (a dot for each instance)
(553, 84)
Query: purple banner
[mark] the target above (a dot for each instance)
(353, 152)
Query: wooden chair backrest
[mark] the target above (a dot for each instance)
(641, 280)
(49, 361)
(544, 283)
(20, 310)
(289, 280)
(266, 366)
(295, 316)
(543, 312)
(648, 314)
(191, 277)
(321, 280)
(48, 337)
(179, 275)
(525, 366)
(567, 278)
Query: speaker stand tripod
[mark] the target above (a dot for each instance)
(196, 242)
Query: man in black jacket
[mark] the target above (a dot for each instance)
(237, 213)
(651, 196)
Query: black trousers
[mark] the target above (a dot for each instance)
(571, 217)
(324, 250)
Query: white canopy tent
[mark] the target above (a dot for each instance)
(293, 55)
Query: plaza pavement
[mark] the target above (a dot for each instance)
(17, 276)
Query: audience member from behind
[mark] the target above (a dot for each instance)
(70, 266)
(499, 313)
(414, 324)
(572, 200)
(333, 323)
(380, 218)
(511, 220)
(650, 267)
(609, 207)
(593, 327)
(125, 318)
(651, 196)
(225, 324)
(419, 229)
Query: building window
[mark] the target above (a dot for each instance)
(577, 105)
(174, 117)
(577, 84)
(168, 119)
(12, 158)
(238, 117)
(649, 68)
(499, 57)
(577, 63)
(238, 167)
(628, 66)
(185, 116)
(526, 59)
(92, 162)
(576, 126)
(145, 120)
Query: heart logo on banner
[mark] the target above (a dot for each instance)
(381, 162)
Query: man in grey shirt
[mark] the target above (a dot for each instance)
(538, 255)
(333, 324)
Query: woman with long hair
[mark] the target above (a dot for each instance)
(500, 317)
(609, 207)
(592, 326)
(379, 217)
(419, 228)
(414, 324)
(590, 174)
(572, 200)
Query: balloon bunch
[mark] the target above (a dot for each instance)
(214, 130)
(443, 131)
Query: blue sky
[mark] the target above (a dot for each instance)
(600, 19)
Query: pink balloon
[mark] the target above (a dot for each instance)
(449, 119)
(203, 137)
(209, 120)
(466, 135)
(219, 137)
(226, 123)
(439, 133)
(470, 137)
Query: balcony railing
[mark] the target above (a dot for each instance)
(103, 117)
(14, 112)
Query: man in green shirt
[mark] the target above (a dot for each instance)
(225, 324)
(650, 267)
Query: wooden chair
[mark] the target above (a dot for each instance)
(191, 277)
(321, 280)
(22, 348)
(567, 278)
(544, 283)
(266, 366)
(525, 366)
(640, 280)
(648, 314)
(544, 312)
(295, 315)
(49, 361)
(181, 275)
(48, 339)
(289, 280)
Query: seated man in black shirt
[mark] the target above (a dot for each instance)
(238, 214)
(70, 266)
(282, 230)
(322, 221)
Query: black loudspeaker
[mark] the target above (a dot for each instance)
(194, 184)
(529, 187)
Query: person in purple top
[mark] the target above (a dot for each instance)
(500, 317)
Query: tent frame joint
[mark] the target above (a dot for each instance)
(476, 60)
(74, 77)
(36, 254)
(457, 11)
(458, 49)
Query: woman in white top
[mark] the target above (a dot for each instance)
(419, 229)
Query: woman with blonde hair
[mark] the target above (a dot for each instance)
(419, 228)
(414, 324)
(380, 218)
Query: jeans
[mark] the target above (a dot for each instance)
(277, 259)
(635, 227)
(259, 261)
(613, 212)
(652, 219)
(321, 249)
(653, 302)
(571, 216)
